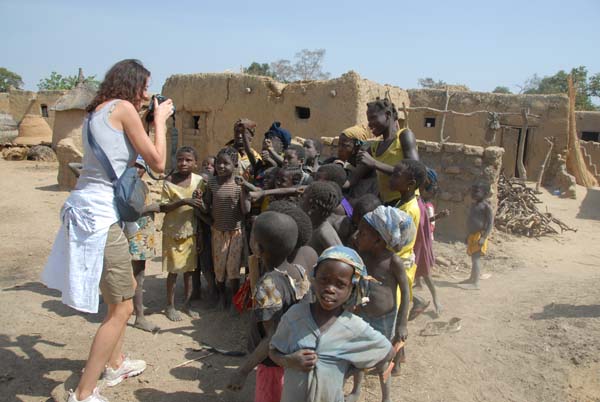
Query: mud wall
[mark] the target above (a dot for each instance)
(591, 156)
(459, 166)
(209, 104)
(587, 121)
(21, 102)
(475, 130)
(68, 123)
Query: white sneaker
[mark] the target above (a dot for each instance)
(129, 368)
(95, 397)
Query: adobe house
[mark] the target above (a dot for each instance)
(69, 111)
(17, 103)
(208, 104)
(588, 131)
(548, 116)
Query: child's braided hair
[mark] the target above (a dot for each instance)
(323, 196)
(384, 105)
(230, 152)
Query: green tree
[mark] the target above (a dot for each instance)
(430, 83)
(261, 69)
(9, 79)
(585, 87)
(501, 90)
(57, 81)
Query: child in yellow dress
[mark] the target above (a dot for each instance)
(179, 231)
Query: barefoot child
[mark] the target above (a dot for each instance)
(179, 229)
(222, 201)
(318, 201)
(382, 233)
(142, 246)
(272, 239)
(479, 224)
(317, 343)
(424, 248)
(407, 177)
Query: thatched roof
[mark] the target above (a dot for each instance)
(77, 98)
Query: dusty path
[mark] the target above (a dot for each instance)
(530, 334)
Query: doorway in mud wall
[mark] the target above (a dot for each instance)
(527, 138)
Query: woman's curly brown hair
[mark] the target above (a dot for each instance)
(125, 80)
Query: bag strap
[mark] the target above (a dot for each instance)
(99, 152)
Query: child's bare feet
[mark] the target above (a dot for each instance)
(188, 310)
(468, 285)
(437, 307)
(173, 314)
(145, 325)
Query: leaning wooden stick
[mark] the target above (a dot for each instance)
(388, 371)
(194, 360)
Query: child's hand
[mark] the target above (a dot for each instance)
(193, 202)
(197, 194)
(237, 380)
(239, 180)
(401, 334)
(444, 213)
(365, 158)
(264, 154)
(303, 360)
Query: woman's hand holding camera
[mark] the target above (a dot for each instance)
(162, 111)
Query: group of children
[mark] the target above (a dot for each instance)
(329, 271)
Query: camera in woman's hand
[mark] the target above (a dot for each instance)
(160, 99)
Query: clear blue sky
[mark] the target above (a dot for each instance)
(475, 42)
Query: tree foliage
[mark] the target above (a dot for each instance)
(501, 90)
(307, 65)
(57, 81)
(9, 79)
(585, 87)
(261, 69)
(430, 83)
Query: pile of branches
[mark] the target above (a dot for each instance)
(518, 213)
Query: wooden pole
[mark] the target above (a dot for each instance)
(521, 150)
(550, 141)
(442, 139)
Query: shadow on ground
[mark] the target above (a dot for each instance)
(590, 206)
(29, 374)
(567, 311)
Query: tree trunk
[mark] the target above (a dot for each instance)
(521, 150)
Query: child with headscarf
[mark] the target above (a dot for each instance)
(381, 234)
(316, 343)
(350, 142)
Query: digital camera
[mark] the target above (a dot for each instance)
(150, 114)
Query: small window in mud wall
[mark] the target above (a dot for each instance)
(44, 110)
(302, 112)
(590, 136)
(194, 121)
(429, 122)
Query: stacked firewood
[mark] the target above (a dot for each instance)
(518, 212)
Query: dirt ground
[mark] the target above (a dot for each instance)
(530, 334)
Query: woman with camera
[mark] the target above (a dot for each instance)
(91, 251)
